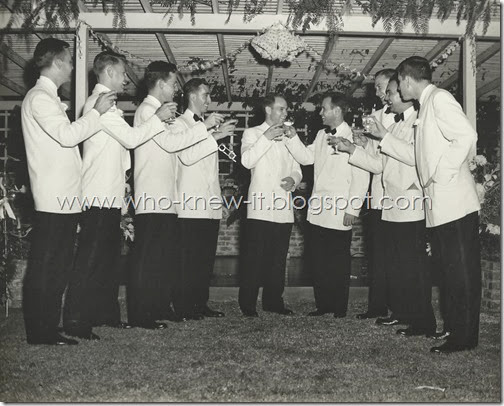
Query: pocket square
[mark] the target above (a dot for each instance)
(413, 187)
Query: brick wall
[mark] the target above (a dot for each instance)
(229, 239)
(491, 293)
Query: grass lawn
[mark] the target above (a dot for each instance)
(270, 359)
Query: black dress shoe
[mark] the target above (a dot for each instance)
(151, 325)
(317, 313)
(387, 321)
(450, 347)
(442, 335)
(248, 313)
(413, 332)
(207, 312)
(54, 339)
(367, 315)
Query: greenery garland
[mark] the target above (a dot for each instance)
(394, 14)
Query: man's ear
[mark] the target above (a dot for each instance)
(268, 110)
(109, 71)
(57, 62)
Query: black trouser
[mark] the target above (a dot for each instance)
(377, 296)
(154, 267)
(410, 287)
(267, 244)
(198, 239)
(331, 266)
(92, 296)
(50, 263)
(457, 245)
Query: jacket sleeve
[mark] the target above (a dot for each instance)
(456, 128)
(197, 152)
(304, 155)
(296, 174)
(253, 148)
(399, 149)
(358, 189)
(174, 138)
(130, 137)
(52, 119)
(367, 160)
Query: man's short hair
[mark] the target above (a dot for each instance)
(269, 100)
(105, 58)
(415, 67)
(48, 49)
(394, 78)
(338, 100)
(387, 73)
(192, 86)
(158, 70)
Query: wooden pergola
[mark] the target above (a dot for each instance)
(360, 46)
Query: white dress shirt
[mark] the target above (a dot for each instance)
(269, 162)
(396, 163)
(156, 162)
(51, 141)
(334, 178)
(106, 157)
(445, 142)
(198, 184)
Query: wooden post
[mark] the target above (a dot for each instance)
(469, 82)
(81, 69)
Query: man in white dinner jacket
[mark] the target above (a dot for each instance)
(91, 297)
(54, 165)
(339, 191)
(408, 277)
(445, 142)
(156, 251)
(274, 176)
(378, 299)
(200, 207)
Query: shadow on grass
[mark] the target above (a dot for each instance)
(270, 359)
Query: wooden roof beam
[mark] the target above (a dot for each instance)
(163, 43)
(437, 49)
(225, 70)
(13, 55)
(12, 85)
(270, 79)
(488, 87)
(370, 65)
(280, 6)
(481, 58)
(215, 6)
(325, 56)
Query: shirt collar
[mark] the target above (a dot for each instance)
(264, 126)
(152, 100)
(99, 88)
(189, 115)
(408, 112)
(424, 94)
(49, 85)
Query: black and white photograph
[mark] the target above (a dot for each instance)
(261, 201)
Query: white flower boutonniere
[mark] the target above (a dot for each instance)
(416, 123)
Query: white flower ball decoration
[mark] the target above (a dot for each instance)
(278, 43)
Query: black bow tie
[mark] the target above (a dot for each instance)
(197, 118)
(416, 105)
(388, 111)
(328, 130)
(399, 117)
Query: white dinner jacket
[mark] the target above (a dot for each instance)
(403, 200)
(377, 190)
(445, 142)
(269, 162)
(198, 186)
(51, 142)
(106, 157)
(156, 162)
(334, 178)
